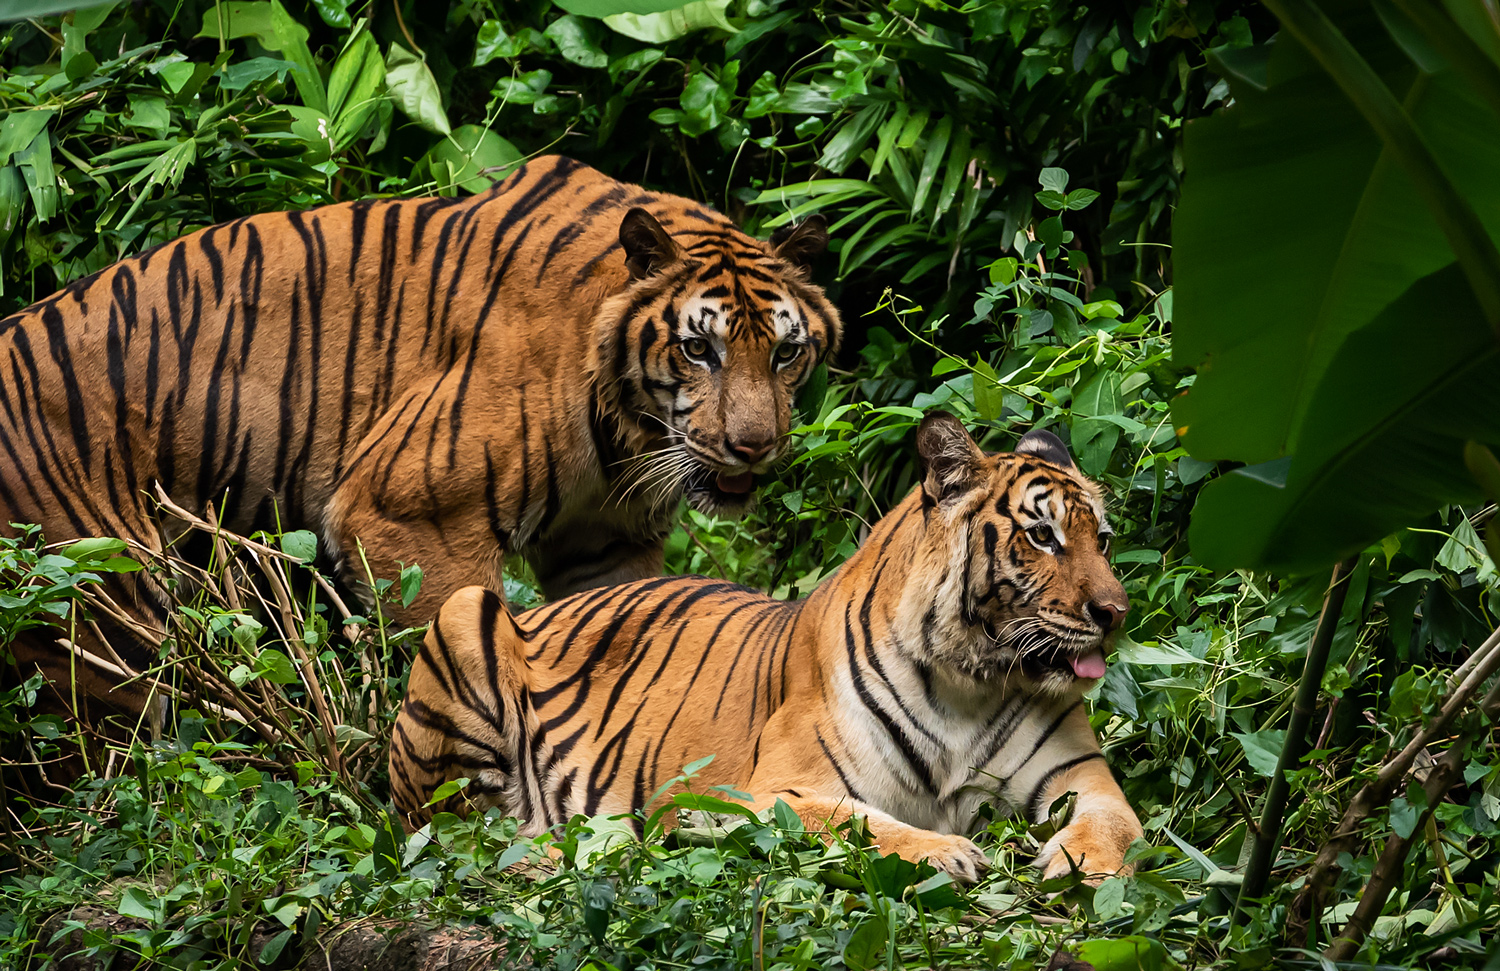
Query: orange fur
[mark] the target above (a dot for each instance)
(438, 380)
(932, 672)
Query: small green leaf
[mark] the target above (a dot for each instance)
(273, 948)
(1080, 198)
(96, 548)
(335, 13)
(415, 90)
(135, 903)
(1109, 898)
(866, 946)
(577, 41)
(476, 157)
(275, 666)
(447, 790)
(494, 43)
(1054, 180)
(20, 128)
(411, 584)
(301, 543)
(1404, 817)
(1262, 749)
(1134, 953)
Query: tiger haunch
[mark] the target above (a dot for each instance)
(942, 666)
(544, 368)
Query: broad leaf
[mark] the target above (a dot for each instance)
(1384, 443)
(658, 28)
(609, 8)
(1296, 229)
(415, 90)
(26, 9)
(1262, 749)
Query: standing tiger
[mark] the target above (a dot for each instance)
(942, 666)
(543, 368)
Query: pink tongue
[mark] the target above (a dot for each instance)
(735, 483)
(1089, 666)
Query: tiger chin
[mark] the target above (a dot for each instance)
(940, 668)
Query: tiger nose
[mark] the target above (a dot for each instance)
(1107, 615)
(750, 452)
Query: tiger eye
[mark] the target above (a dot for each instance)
(695, 347)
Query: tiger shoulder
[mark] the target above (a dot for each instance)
(941, 667)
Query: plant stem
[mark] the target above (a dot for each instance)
(1393, 859)
(1470, 676)
(1476, 251)
(1268, 839)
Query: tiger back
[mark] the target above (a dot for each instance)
(544, 368)
(942, 666)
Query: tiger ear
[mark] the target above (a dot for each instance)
(802, 243)
(1046, 446)
(648, 247)
(951, 463)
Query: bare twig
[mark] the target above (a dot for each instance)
(1388, 871)
(1375, 793)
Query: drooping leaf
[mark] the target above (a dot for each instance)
(415, 90)
(658, 28)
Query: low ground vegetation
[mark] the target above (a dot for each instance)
(999, 179)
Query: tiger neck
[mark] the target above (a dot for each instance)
(895, 606)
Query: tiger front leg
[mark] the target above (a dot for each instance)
(954, 855)
(1100, 830)
(377, 529)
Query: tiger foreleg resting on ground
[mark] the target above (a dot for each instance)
(955, 855)
(1101, 828)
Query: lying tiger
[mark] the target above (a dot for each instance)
(942, 666)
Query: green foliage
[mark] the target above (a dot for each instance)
(1334, 309)
(998, 178)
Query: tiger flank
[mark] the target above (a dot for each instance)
(941, 667)
(545, 368)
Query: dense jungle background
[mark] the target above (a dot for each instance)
(1016, 191)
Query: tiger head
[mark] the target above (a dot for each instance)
(706, 349)
(1011, 572)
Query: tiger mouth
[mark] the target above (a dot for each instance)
(1067, 661)
(1056, 658)
(712, 491)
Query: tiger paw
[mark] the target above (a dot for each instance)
(1096, 845)
(954, 855)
